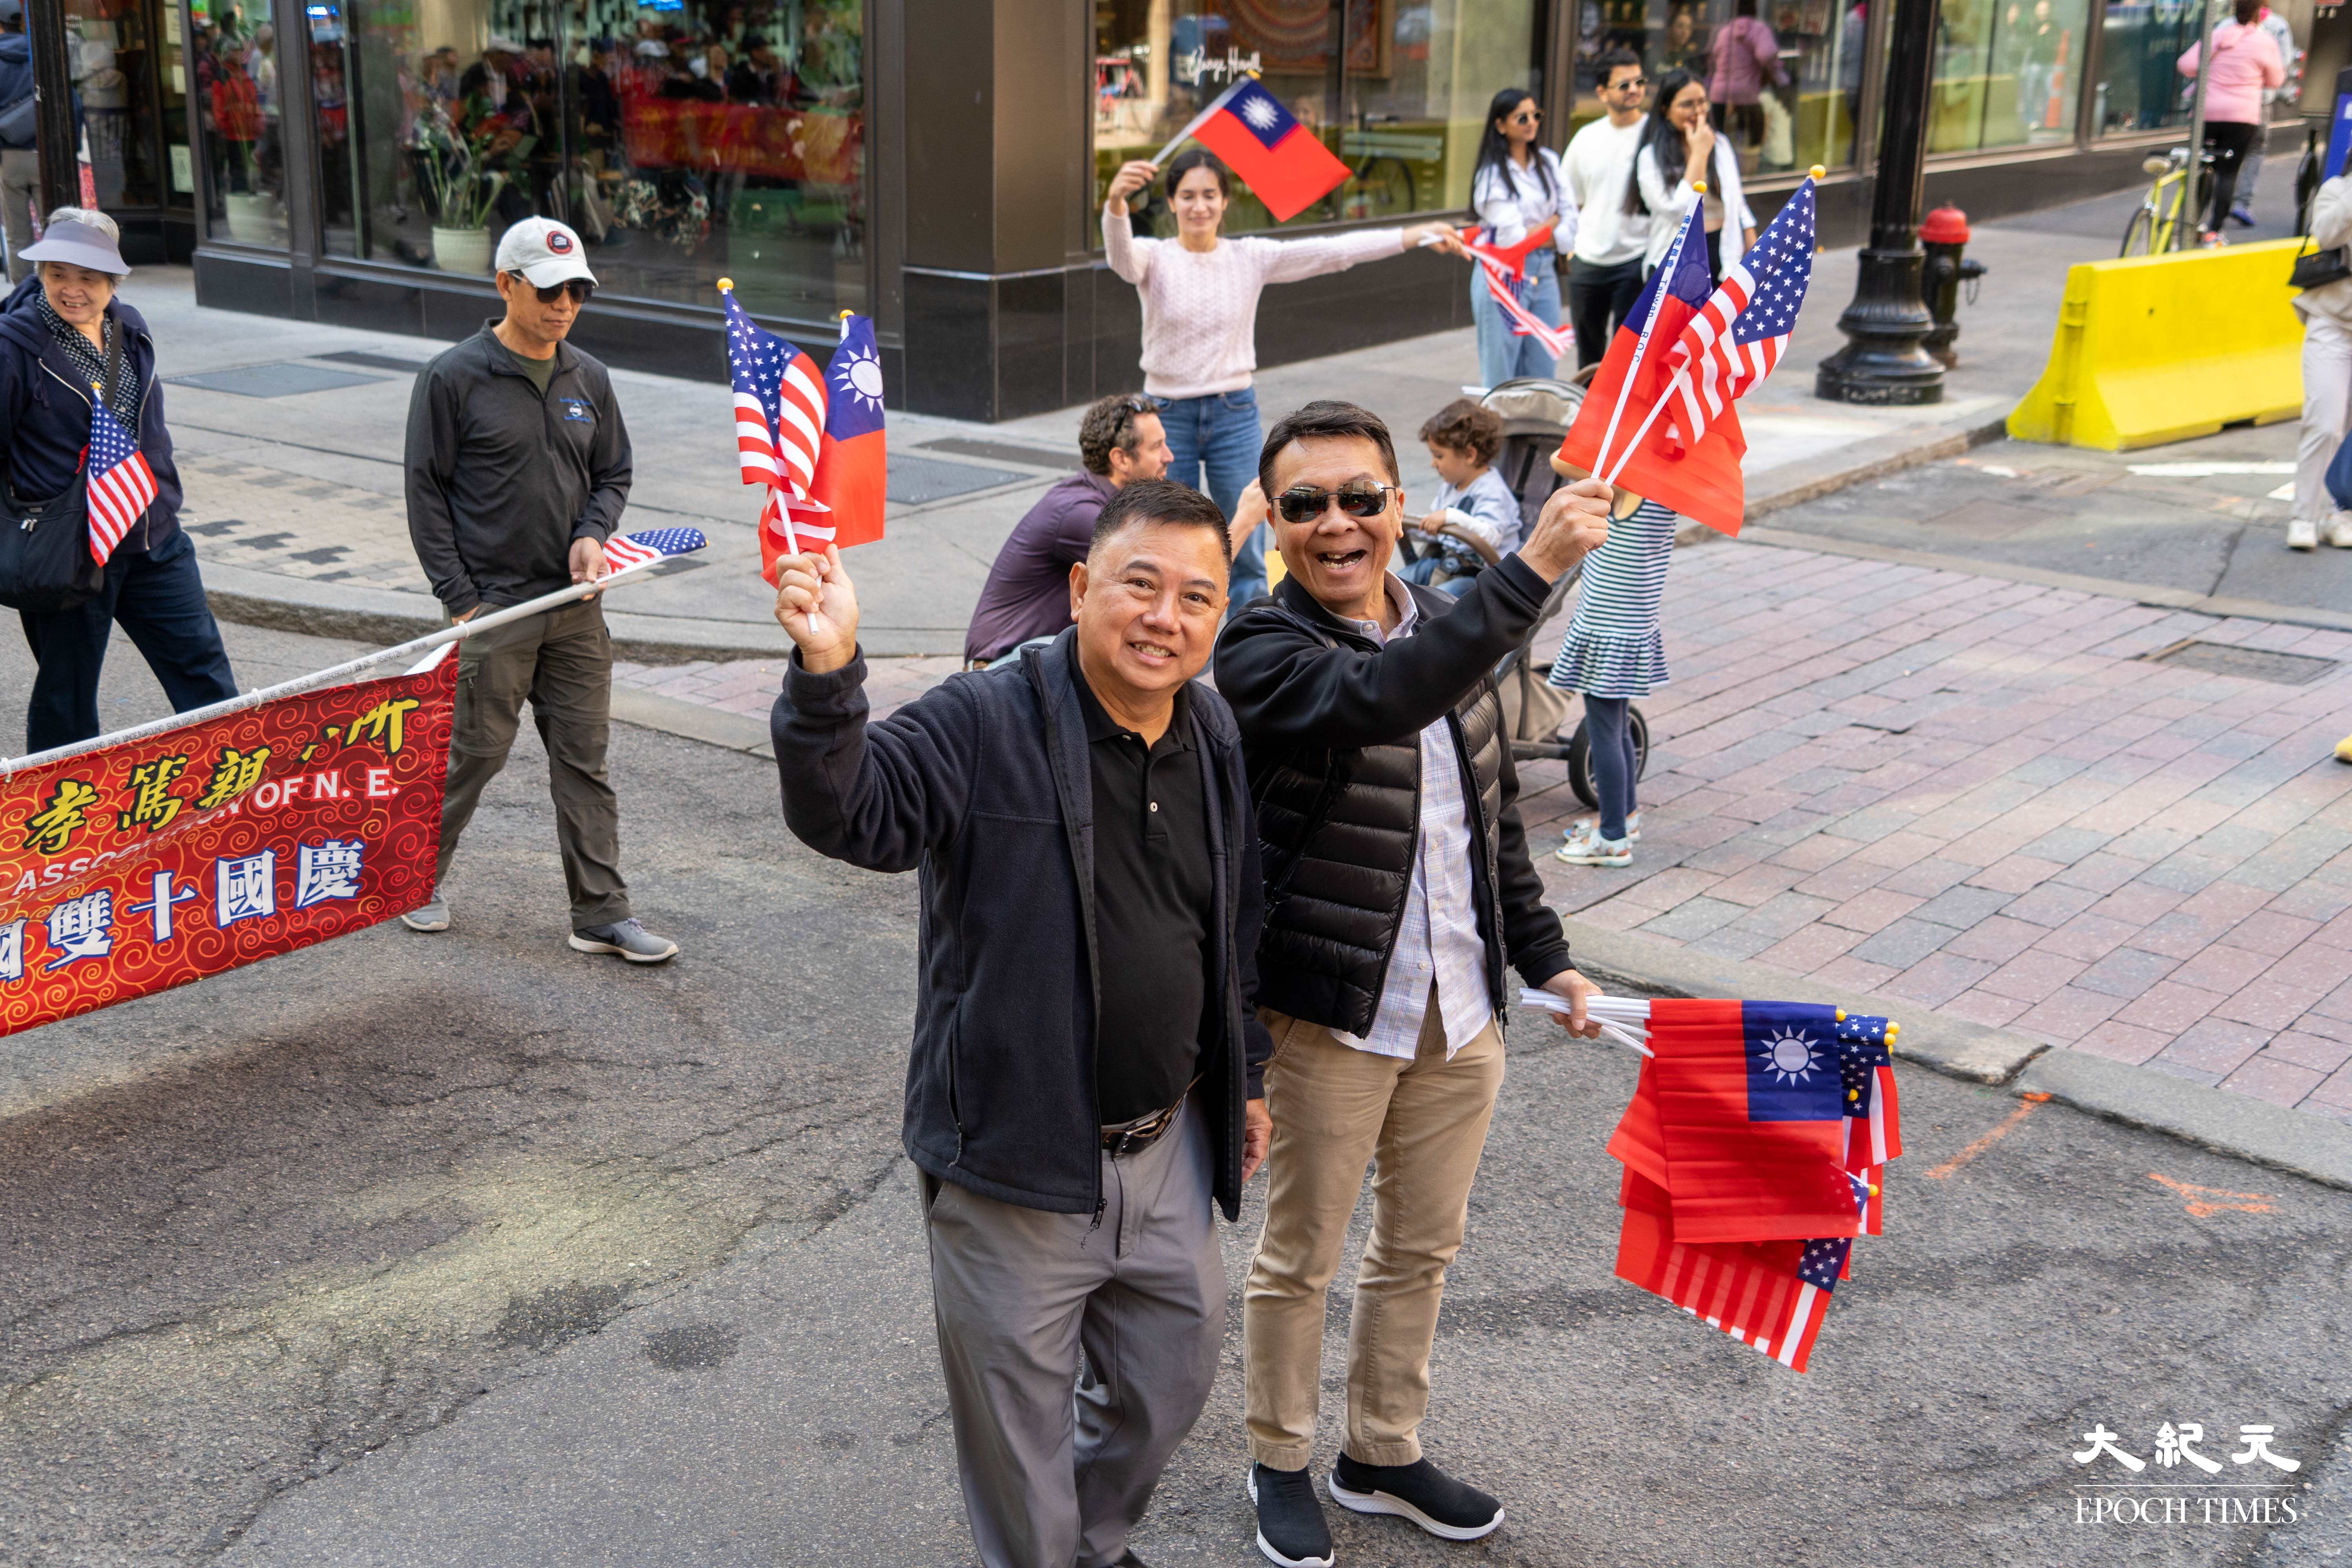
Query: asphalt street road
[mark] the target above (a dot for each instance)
(468, 1249)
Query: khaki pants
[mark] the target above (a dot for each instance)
(1335, 1109)
(561, 662)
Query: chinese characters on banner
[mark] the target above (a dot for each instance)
(136, 868)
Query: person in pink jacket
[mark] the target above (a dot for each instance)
(1741, 58)
(2245, 61)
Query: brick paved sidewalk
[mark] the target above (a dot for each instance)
(1982, 796)
(1965, 793)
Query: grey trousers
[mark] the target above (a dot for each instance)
(560, 661)
(20, 188)
(1078, 1352)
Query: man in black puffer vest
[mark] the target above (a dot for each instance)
(1398, 887)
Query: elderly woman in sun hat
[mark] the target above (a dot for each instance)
(72, 352)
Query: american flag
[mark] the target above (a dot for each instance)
(121, 486)
(623, 551)
(1737, 335)
(1506, 278)
(780, 410)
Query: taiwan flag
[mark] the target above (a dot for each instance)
(1617, 433)
(852, 473)
(1283, 161)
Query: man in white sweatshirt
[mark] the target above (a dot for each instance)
(1604, 276)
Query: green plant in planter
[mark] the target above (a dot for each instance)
(462, 187)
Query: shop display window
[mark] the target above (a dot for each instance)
(1784, 76)
(685, 141)
(1403, 104)
(2140, 86)
(2008, 73)
(130, 70)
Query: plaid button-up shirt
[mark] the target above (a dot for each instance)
(1438, 942)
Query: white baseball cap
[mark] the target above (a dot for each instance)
(544, 251)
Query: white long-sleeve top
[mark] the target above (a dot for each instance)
(1600, 166)
(2331, 226)
(1199, 307)
(1668, 208)
(1513, 201)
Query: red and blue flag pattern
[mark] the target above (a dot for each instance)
(852, 478)
(121, 486)
(1505, 271)
(1282, 161)
(1754, 1150)
(1739, 333)
(813, 439)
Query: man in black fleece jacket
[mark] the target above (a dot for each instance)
(1085, 1076)
(1398, 886)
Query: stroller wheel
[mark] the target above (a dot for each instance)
(1580, 757)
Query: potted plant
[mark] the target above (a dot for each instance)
(463, 192)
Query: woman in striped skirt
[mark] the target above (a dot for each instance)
(1613, 653)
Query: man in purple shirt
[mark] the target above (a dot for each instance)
(1028, 590)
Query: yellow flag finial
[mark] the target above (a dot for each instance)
(1817, 170)
(1699, 185)
(727, 285)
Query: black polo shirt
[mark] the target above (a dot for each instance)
(1154, 900)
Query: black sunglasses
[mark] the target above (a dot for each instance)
(578, 288)
(1356, 501)
(1632, 83)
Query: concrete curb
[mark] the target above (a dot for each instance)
(673, 716)
(2238, 1125)
(1870, 459)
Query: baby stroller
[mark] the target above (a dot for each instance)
(1536, 414)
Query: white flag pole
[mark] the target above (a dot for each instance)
(1641, 346)
(1634, 445)
(334, 676)
(1199, 119)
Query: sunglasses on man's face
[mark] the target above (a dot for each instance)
(1632, 84)
(1302, 505)
(578, 288)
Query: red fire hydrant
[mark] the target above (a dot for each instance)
(1945, 234)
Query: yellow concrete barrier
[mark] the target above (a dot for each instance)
(2164, 348)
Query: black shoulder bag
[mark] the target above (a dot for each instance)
(2319, 268)
(45, 566)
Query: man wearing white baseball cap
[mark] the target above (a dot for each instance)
(518, 469)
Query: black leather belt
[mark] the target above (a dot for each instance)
(1134, 1137)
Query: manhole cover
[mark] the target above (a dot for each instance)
(915, 481)
(2246, 663)
(273, 380)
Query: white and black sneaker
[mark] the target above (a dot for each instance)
(627, 938)
(1419, 1492)
(1290, 1525)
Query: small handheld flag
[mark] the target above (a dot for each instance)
(780, 411)
(1283, 161)
(1506, 272)
(121, 486)
(1738, 336)
(851, 477)
(624, 552)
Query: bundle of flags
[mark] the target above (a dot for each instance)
(1754, 1151)
(813, 440)
(1686, 351)
(1284, 163)
(1508, 285)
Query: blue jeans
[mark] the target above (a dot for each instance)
(159, 600)
(1501, 356)
(1220, 432)
(1425, 569)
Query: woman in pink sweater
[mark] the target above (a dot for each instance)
(2245, 61)
(1200, 323)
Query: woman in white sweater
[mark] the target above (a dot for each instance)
(1677, 141)
(1200, 323)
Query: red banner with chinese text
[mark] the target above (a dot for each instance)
(140, 867)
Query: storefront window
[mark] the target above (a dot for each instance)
(1404, 110)
(685, 143)
(2007, 72)
(127, 66)
(2140, 86)
(1785, 76)
(237, 103)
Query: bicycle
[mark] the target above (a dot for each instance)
(2155, 227)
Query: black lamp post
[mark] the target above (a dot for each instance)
(54, 133)
(1883, 362)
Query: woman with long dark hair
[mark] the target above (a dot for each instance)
(1518, 187)
(1200, 323)
(1677, 147)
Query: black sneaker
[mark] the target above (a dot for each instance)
(1290, 1528)
(1419, 1492)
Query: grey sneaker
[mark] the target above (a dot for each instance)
(433, 916)
(630, 940)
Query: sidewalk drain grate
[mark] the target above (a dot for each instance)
(280, 380)
(915, 481)
(2246, 663)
